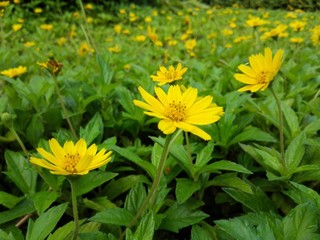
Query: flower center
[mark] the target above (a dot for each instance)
(71, 160)
(171, 75)
(264, 77)
(176, 111)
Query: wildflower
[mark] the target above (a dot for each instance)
(183, 110)
(117, 28)
(29, 44)
(296, 40)
(37, 10)
(227, 32)
(140, 38)
(16, 27)
(315, 37)
(255, 22)
(4, 3)
(190, 44)
(114, 49)
(13, 72)
(132, 17)
(275, 32)
(16, 1)
(122, 11)
(47, 27)
(51, 65)
(172, 42)
(147, 19)
(262, 71)
(85, 49)
(89, 19)
(61, 41)
(127, 67)
(71, 159)
(169, 75)
(241, 39)
(88, 6)
(297, 25)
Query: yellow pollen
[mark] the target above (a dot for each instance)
(171, 75)
(263, 77)
(71, 161)
(176, 111)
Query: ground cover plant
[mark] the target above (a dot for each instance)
(173, 121)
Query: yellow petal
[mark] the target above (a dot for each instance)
(166, 126)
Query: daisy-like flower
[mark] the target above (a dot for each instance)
(71, 159)
(169, 75)
(13, 72)
(262, 70)
(180, 109)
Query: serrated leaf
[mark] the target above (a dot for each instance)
(185, 188)
(46, 222)
(86, 183)
(23, 208)
(147, 166)
(294, 152)
(145, 229)
(20, 171)
(122, 185)
(252, 134)
(205, 155)
(9, 200)
(116, 216)
(93, 129)
(43, 200)
(224, 165)
(135, 198)
(106, 71)
(302, 222)
(291, 119)
(180, 216)
(198, 233)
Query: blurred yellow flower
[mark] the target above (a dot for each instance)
(296, 40)
(168, 75)
(16, 27)
(148, 19)
(4, 3)
(71, 159)
(29, 44)
(275, 32)
(297, 25)
(315, 35)
(52, 65)
(61, 41)
(255, 22)
(132, 17)
(127, 66)
(172, 42)
(241, 39)
(117, 28)
(114, 49)
(37, 10)
(16, 1)
(262, 70)
(88, 6)
(13, 72)
(190, 44)
(180, 109)
(85, 49)
(140, 38)
(227, 32)
(47, 27)
(122, 11)
(89, 20)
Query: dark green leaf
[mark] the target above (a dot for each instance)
(43, 200)
(198, 233)
(117, 216)
(205, 155)
(93, 129)
(35, 130)
(252, 134)
(291, 119)
(9, 200)
(62, 232)
(106, 71)
(135, 198)
(294, 152)
(145, 229)
(224, 165)
(185, 188)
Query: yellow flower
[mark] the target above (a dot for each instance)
(85, 49)
(297, 25)
(255, 22)
(140, 38)
(169, 75)
(47, 27)
(115, 49)
(147, 19)
(89, 20)
(117, 28)
(13, 72)
(241, 38)
(180, 109)
(4, 3)
(190, 44)
(275, 32)
(262, 71)
(61, 41)
(296, 40)
(37, 10)
(227, 32)
(122, 11)
(16, 1)
(71, 159)
(52, 66)
(88, 6)
(16, 27)
(315, 37)
(29, 44)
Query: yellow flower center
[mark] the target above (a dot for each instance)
(264, 77)
(176, 111)
(71, 160)
(171, 75)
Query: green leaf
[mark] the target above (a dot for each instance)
(185, 188)
(205, 155)
(117, 216)
(98, 204)
(291, 119)
(6, 236)
(147, 166)
(9, 200)
(145, 229)
(86, 183)
(230, 180)
(42, 200)
(135, 198)
(224, 165)
(180, 216)
(239, 229)
(268, 158)
(62, 232)
(106, 71)
(294, 153)
(46, 222)
(20, 171)
(258, 201)
(252, 134)
(302, 222)
(93, 129)
(96, 235)
(313, 127)
(123, 184)
(198, 233)
(35, 130)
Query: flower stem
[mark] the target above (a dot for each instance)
(283, 160)
(153, 190)
(63, 106)
(16, 135)
(74, 208)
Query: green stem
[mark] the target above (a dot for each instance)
(63, 106)
(283, 161)
(74, 208)
(188, 147)
(153, 190)
(16, 136)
